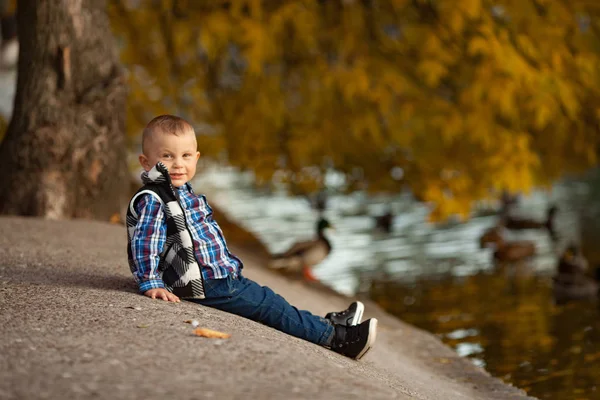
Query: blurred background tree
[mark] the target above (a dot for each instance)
(64, 153)
(459, 100)
(456, 100)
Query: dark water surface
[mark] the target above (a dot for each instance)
(503, 318)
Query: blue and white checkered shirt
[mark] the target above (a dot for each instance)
(150, 234)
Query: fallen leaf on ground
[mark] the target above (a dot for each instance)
(143, 326)
(209, 333)
(115, 218)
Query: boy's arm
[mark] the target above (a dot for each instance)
(147, 242)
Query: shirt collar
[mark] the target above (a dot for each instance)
(186, 188)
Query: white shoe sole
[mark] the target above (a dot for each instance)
(372, 337)
(360, 309)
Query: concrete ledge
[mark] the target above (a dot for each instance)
(73, 326)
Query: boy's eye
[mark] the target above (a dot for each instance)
(166, 155)
(187, 155)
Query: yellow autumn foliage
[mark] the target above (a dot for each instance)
(469, 98)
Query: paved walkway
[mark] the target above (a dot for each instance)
(73, 327)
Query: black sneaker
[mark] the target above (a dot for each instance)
(354, 341)
(351, 316)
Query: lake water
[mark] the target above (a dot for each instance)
(437, 278)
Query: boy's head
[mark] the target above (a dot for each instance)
(172, 141)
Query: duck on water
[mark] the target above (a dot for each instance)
(572, 281)
(303, 255)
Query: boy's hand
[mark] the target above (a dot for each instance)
(161, 293)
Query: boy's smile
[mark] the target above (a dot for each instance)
(177, 176)
(177, 152)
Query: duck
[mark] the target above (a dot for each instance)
(507, 251)
(383, 223)
(490, 236)
(303, 255)
(514, 251)
(508, 200)
(318, 201)
(571, 281)
(572, 261)
(516, 223)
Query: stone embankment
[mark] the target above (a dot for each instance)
(73, 327)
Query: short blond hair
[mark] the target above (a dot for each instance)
(169, 124)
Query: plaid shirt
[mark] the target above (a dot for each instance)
(148, 239)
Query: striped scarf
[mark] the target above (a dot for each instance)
(178, 265)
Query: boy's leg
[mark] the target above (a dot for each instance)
(246, 298)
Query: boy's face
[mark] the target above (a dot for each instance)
(177, 152)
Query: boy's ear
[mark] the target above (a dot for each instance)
(197, 155)
(144, 162)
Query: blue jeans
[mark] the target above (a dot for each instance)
(246, 298)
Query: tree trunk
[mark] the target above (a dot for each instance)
(64, 153)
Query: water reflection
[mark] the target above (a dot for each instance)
(502, 317)
(508, 324)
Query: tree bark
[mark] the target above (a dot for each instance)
(64, 154)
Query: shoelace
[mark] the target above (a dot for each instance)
(352, 334)
(340, 314)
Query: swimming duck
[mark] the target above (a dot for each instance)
(508, 200)
(571, 281)
(490, 236)
(383, 223)
(507, 251)
(572, 261)
(516, 223)
(318, 201)
(514, 251)
(302, 256)
(507, 203)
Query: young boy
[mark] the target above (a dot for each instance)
(177, 250)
